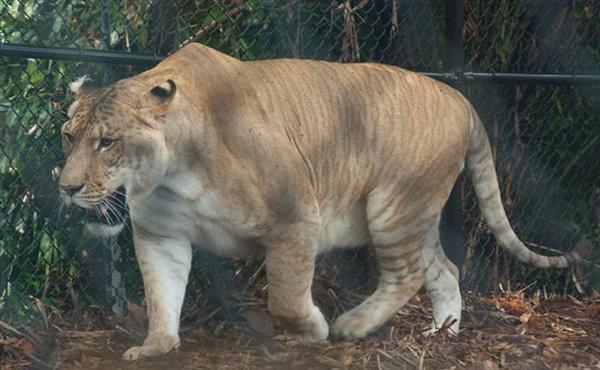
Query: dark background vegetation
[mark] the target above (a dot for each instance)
(546, 136)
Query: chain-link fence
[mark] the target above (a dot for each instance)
(528, 66)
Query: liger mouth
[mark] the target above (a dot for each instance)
(111, 211)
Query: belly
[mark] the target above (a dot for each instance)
(347, 228)
(171, 217)
(221, 241)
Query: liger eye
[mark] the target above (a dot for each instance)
(68, 137)
(105, 143)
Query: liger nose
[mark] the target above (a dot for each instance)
(71, 189)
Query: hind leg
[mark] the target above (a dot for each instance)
(441, 282)
(290, 268)
(398, 242)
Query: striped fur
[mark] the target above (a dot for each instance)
(288, 158)
(481, 168)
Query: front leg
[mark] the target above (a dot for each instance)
(165, 266)
(290, 267)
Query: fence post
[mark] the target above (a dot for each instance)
(112, 255)
(115, 293)
(451, 225)
(454, 53)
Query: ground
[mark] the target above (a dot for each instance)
(503, 331)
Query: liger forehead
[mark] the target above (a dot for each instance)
(95, 113)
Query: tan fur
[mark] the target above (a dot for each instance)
(288, 158)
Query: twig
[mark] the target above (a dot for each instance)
(12, 329)
(228, 14)
(40, 306)
(30, 356)
(394, 360)
(255, 274)
(32, 340)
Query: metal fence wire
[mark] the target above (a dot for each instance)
(531, 67)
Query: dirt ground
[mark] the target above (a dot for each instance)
(508, 331)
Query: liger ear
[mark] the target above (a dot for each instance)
(84, 85)
(164, 92)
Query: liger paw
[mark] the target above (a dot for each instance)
(153, 346)
(352, 326)
(311, 329)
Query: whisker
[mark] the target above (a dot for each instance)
(122, 201)
(115, 194)
(108, 218)
(107, 214)
(111, 206)
(116, 202)
(120, 207)
(110, 209)
(119, 192)
(123, 218)
(97, 211)
(115, 211)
